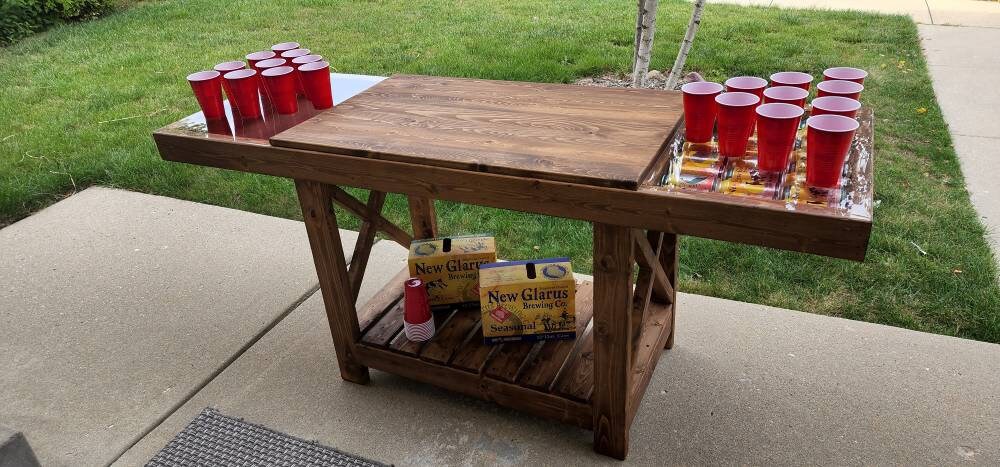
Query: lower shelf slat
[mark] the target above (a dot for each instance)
(473, 354)
(577, 379)
(507, 361)
(541, 371)
(450, 338)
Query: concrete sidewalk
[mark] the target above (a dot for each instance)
(115, 307)
(941, 12)
(956, 55)
(123, 315)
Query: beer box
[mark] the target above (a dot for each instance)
(527, 300)
(450, 266)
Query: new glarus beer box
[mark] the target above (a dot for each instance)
(450, 266)
(527, 300)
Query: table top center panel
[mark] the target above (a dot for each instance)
(578, 134)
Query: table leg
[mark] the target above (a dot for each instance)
(613, 260)
(423, 216)
(669, 261)
(316, 200)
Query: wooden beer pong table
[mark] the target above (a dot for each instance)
(596, 154)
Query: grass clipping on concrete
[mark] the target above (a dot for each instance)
(80, 103)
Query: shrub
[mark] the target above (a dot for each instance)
(19, 18)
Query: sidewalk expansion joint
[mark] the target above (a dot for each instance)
(226, 364)
(229, 361)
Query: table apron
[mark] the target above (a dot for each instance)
(716, 217)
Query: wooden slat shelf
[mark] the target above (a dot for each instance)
(556, 374)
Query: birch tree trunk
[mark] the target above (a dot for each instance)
(692, 29)
(638, 32)
(647, 10)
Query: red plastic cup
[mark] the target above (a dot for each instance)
(243, 85)
(845, 73)
(269, 63)
(284, 46)
(207, 87)
(848, 89)
(418, 322)
(786, 94)
(253, 58)
(828, 139)
(795, 79)
(736, 120)
(750, 84)
(226, 67)
(700, 110)
(303, 59)
(290, 54)
(777, 124)
(279, 84)
(316, 82)
(835, 105)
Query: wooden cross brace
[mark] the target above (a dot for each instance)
(372, 222)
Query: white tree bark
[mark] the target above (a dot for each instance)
(647, 10)
(638, 32)
(692, 29)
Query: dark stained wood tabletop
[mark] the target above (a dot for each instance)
(578, 134)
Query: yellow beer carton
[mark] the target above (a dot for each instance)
(450, 266)
(527, 300)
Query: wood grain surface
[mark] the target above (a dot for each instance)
(579, 134)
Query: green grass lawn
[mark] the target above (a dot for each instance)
(80, 102)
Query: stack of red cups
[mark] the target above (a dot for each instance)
(418, 321)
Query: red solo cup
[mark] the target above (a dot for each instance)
(845, 73)
(243, 85)
(848, 89)
(418, 322)
(253, 58)
(284, 46)
(777, 124)
(828, 139)
(736, 119)
(290, 54)
(226, 67)
(207, 87)
(835, 105)
(700, 110)
(279, 84)
(296, 62)
(316, 81)
(751, 84)
(792, 78)
(786, 94)
(303, 59)
(269, 63)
